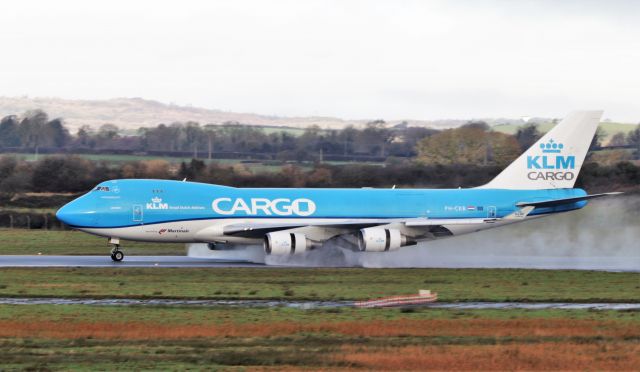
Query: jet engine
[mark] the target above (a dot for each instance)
(280, 243)
(378, 239)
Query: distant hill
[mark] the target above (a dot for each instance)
(130, 114)
(133, 113)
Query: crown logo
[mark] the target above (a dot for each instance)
(551, 147)
(156, 200)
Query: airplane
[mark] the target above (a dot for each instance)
(292, 221)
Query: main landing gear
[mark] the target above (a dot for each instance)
(116, 253)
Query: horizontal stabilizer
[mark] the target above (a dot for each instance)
(557, 202)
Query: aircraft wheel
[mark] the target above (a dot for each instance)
(117, 256)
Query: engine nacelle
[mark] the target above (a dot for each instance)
(280, 243)
(378, 239)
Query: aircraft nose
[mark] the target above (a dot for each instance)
(73, 214)
(66, 214)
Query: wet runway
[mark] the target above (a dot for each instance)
(129, 261)
(631, 264)
(312, 304)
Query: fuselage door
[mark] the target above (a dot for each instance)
(137, 213)
(491, 212)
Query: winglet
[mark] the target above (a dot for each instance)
(520, 213)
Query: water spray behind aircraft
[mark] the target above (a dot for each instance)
(605, 237)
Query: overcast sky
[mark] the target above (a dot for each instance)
(352, 59)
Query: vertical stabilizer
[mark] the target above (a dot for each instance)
(555, 160)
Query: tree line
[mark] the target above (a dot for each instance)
(73, 174)
(34, 130)
(472, 143)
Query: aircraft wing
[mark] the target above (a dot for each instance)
(447, 221)
(255, 229)
(245, 229)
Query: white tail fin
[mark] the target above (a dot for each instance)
(555, 160)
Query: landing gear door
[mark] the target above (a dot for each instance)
(137, 213)
(491, 212)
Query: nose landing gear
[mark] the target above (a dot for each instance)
(116, 253)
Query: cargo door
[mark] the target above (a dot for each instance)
(137, 213)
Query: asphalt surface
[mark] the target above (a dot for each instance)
(129, 261)
(631, 264)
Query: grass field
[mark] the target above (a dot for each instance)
(87, 337)
(252, 166)
(113, 158)
(81, 337)
(296, 132)
(55, 242)
(28, 210)
(322, 284)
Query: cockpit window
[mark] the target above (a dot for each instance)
(101, 188)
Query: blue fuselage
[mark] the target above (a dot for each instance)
(123, 203)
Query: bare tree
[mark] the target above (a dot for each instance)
(31, 129)
(210, 130)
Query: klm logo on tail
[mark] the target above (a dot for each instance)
(551, 165)
(554, 161)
